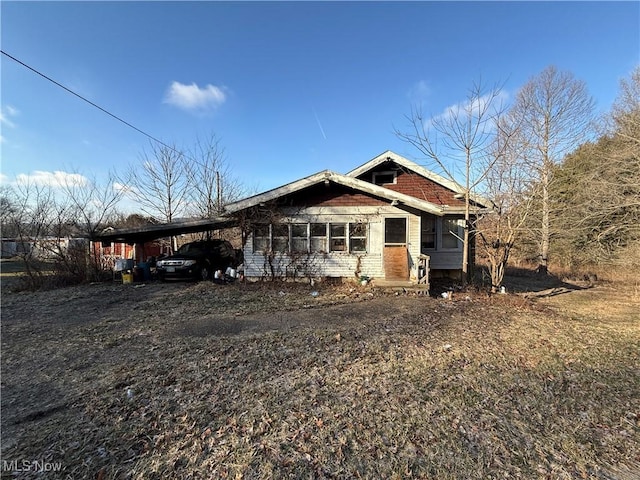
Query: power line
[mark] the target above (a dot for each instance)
(89, 102)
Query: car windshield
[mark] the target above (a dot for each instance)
(190, 249)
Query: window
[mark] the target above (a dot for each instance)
(280, 242)
(338, 240)
(395, 230)
(311, 237)
(384, 178)
(318, 237)
(299, 237)
(450, 233)
(428, 233)
(261, 238)
(358, 237)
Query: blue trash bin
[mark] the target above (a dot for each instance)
(146, 271)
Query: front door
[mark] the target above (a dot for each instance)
(396, 256)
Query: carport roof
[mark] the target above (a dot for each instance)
(153, 232)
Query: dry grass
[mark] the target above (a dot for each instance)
(249, 381)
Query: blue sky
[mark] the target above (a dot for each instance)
(289, 88)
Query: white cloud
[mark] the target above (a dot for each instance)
(5, 121)
(194, 98)
(121, 187)
(3, 179)
(6, 112)
(51, 179)
(419, 91)
(471, 108)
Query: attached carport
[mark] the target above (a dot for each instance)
(147, 233)
(138, 236)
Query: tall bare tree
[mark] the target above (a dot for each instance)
(211, 181)
(158, 183)
(555, 114)
(508, 187)
(93, 203)
(461, 143)
(599, 187)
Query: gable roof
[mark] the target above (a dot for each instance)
(338, 179)
(390, 156)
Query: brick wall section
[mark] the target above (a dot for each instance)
(417, 186)
(408, 183)
(331, 196)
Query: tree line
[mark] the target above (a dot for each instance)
(563, 184)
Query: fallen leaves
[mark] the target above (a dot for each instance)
(242, 381)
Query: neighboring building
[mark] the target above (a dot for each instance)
(389, 219)
(43, 248)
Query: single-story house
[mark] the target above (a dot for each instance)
(388, 219)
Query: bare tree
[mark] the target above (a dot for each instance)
(159, 182)
(507, 185)
(93, 203)
(626, 109)
(211, 182)
(461, 142)
(91, 206)
(555, 113)
(35, 218)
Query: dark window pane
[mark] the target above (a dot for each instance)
(449, 233)
(280, 244)
(318, 244)
(357, 229)
(260, 244)
(395, 230)
(338, 229)
(280, 230)
(338, 245)
(299, 244)
(383, 178)
(262, 231)
(318, 229)
(358, 244)
(299, 230)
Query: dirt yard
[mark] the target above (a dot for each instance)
(268, 381)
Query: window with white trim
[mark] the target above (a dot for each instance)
(318, 237)
(338, 238)
(311, 237)
(357, 237)
(280, 238)
(261, 238)
(299, 237)
(428, 233)
(384, 178)
(451, 234)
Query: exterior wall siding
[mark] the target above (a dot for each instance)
(444, 259)
(335, 264)
(337, 204)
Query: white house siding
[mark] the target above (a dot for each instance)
(414, 245)
(338, 264)
(445, 260)
(442, 259)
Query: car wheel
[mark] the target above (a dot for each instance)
(205, 274)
